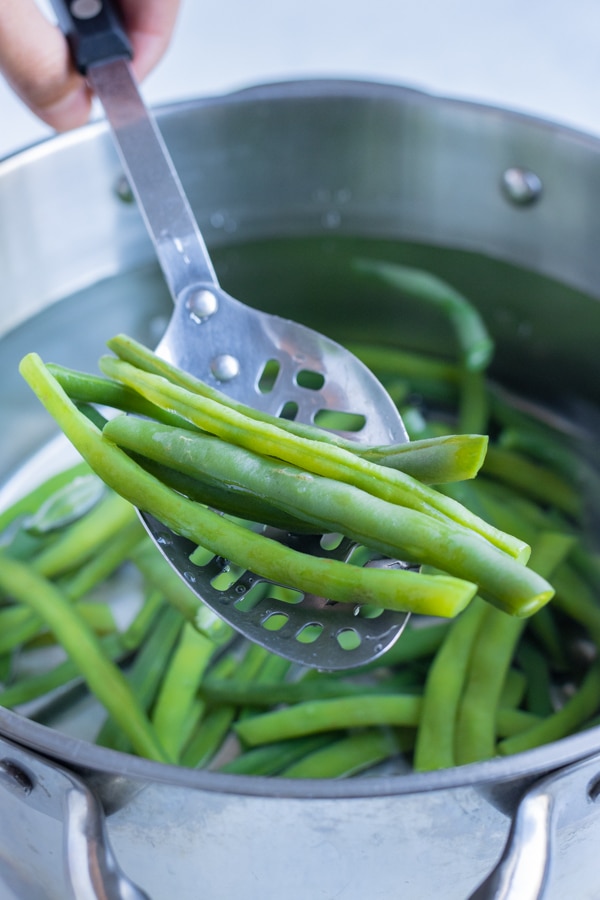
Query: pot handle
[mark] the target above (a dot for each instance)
(91, 869)
(565, 797)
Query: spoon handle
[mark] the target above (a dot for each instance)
(101, 50)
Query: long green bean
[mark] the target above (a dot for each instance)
(327, 715)
(494, 648)
(142, 680)
(261, 554)
(349, 755)
(177, 707)
(435, 743)
(334, 507)
(103, 678)
(577, 710)
(317, 457)
(475, 345)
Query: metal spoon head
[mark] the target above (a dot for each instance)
(280, 366)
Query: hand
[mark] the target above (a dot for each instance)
(35, 60)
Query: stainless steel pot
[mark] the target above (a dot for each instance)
(505, 206)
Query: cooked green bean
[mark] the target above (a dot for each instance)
(272, 693)
(577, 710)
(396, 455)
(349, 755)
(29, 503)
(82, 387)
(317, 457)
(537, 679)
(79, 543)
(435, 743)
(272, 759)
(335, 507)
(327, 715)
(533, 479)
(210, 733)
(494, 648)
(474, 342)
(177, 707)
(103, 678)
(466, 688)
(142, 680)
(267, 557)
(30, 687)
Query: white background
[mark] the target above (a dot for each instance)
(537, 56)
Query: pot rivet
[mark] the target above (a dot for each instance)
(15, 777)
(225, 367)
(521, 186)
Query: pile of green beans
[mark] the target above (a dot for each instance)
(175, 684)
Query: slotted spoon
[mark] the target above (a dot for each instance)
(232, 346)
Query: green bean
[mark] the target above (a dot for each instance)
(240, 503)
(139, 356)
(31, 687)
(537, 679)
(565, 721)
(209, 734)
(29, 503)
(77, 544)
(273, 758)
(439, 376)
(260, 693)
(435, 460)
(511, 722)
(334, 507)
(108, 558)
(533, 479)
(494, 648)
(211, 731)
(349, 755)
(575, 598)
(547, 632)
(474, 342)
(313, 456)
(327, 715)
(496, 639)
(473, 408)
(93, 389)
(263, 555)
(143, 678)
(6, 664)
(177, 708)
(20, 624)
(69, 503)
(435, 743)
(513, 689)
(139, 626)
(102, 677)
(531, 441)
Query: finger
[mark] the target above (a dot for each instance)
(34, 59)
(150, 25)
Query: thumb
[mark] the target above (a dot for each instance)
(35, 60)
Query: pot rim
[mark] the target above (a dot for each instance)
(90, 758)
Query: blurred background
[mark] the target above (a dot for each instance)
(537, 56)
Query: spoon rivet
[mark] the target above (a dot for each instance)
(225, 367)
(202, 304)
